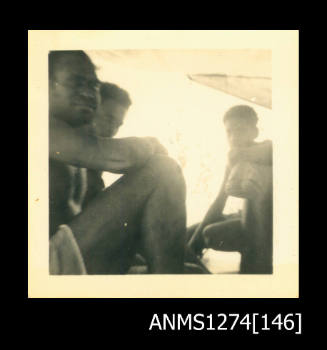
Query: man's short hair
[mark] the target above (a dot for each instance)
(242, 112)
(112, 91)
(55, 58)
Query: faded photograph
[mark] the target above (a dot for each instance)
(160, 162)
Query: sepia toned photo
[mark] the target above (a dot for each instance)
(162, 167)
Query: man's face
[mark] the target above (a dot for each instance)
(240, 133)
(74, 91)
(109, 117)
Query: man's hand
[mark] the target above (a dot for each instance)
(140, 149)
(260, 153)
(235, 155)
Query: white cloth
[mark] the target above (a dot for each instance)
(65, 257)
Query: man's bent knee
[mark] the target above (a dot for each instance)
(164, 169)
(163, 164)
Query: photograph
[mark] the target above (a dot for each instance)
(151, 164)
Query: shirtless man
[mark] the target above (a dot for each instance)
(215, 231)
(145, 208)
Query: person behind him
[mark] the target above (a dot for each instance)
(144, 208)
(106, 123)
(216, 230)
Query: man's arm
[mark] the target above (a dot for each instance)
(74, 147)
(260, 153)
(214, 213)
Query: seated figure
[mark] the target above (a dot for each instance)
(248, 175)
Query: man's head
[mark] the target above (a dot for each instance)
(241, 126)
(73, 87)
(112, 110)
